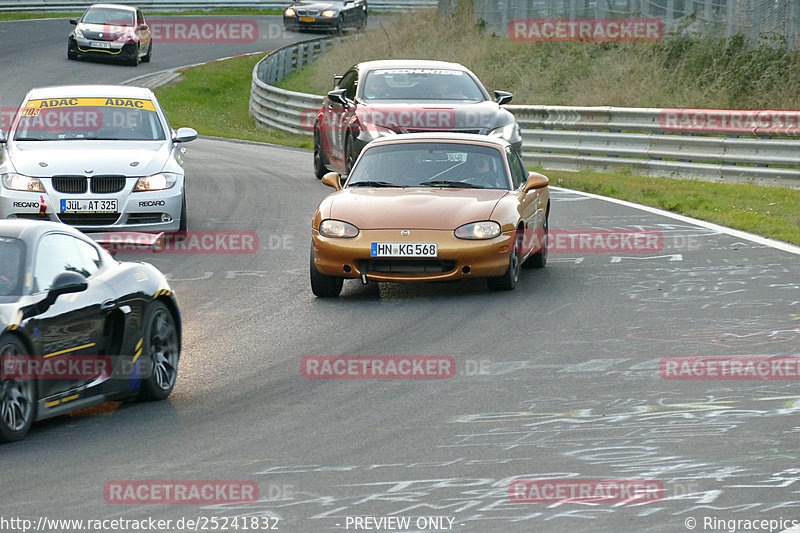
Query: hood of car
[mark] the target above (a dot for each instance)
(436, 115)
(435, 208)
(58, 158)
(103, 32)
(317, 7)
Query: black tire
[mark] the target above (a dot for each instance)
(134, 59)
(508, 281)
(17, 396)
(350, 154)
(339, 29)
(149, 54)
(184, 224)
(161, 350)
(72, 53)
(363, 24)
(322, 285)
(319, 156)
(539, 259)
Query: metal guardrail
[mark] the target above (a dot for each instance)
(572, 138)
(178, 5)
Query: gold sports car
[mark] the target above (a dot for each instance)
(431, 207)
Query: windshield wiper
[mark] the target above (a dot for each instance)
(371, 184)
(447, 183)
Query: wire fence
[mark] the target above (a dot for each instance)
(755, 19)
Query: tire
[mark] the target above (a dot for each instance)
(319, 156)
(161, 349)
(363, 24)
(149, 54)
(72, 54)
(17, 397)
(184, 225)
(134, 61)
(323, 286)
(339, 29)
(350, 154)
(508, 281)
(539, 259)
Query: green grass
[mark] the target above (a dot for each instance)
(214, 100)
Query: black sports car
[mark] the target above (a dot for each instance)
(325, 15)
(77, 327)
(387, 97)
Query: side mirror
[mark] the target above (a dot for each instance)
(336, 79)
(535, 181)
(144, 27)
(2, 137)
(338, 97)
(503, 97)
(74, 22)
(184, 135)
(65, 283)
(332, 179)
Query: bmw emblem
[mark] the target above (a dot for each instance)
(100, 35)
(405, 232)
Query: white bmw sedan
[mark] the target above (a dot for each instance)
(97, 157)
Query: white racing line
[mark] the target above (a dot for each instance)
(772, 243)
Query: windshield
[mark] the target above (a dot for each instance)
(109, 119)
(12, 262)
(421, 84)
(108, 15)
(427, 164)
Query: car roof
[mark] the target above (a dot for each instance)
(91, 91)
(411, 63)
(440, 136)
(25, 229)
(113, 6)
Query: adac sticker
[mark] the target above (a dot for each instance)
(33, 107)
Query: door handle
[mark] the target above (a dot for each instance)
(107, 306)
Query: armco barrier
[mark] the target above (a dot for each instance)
(758, 146)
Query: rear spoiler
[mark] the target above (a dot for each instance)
(129, 241)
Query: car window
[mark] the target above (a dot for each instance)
(58, 252)
(428, 164)
(519, 175)
(12, 264)
(349, 83)
(109, 16)
(421, 84)
(140, 17)
(108, 119)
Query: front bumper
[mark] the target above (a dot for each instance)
(136, 211)
(457, 258)
(318, 23)
(118, 50)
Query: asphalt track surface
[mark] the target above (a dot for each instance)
(558, 379)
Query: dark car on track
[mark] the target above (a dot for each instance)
(378, 98)
(77, 327)
(111, 31)
(326, 16)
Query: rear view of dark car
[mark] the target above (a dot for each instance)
(111, 31)
(326, 15)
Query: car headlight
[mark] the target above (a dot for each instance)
(338, 228)
(126, 37)
(506, 132)
(375, 131)
(487, 229)
(79, 33)
(18, 182)
(156, 182)
(289, 12)
(329, 13)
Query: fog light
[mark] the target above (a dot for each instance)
(347, 269)
(166, 218)
(466, 269)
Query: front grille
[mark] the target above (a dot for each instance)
(89, 219)
(410, 266)
(307, 12)
(107, 184)
(144, 218)
(70, 184)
